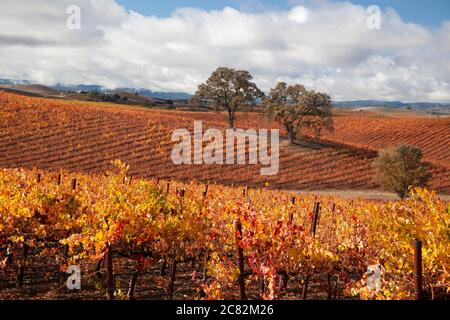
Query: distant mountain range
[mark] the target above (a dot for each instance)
(79, 87)
(140, 91)
(158, 94)
(9, 81)
(184, 96)
(389, 104)
(100, 89)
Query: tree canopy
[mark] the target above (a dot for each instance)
(296, 108)
(229, 90)
(398, 168)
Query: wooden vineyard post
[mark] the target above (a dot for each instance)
(21, 267)
(181, 194)
(284, 280)
(204, 264)
(333, 207)
(38, 177)
(205, 193)
(9, 254)
(262, 286)
(132, 285)
(109, 273)
(335, 290)
(168, 188)
(329, 295)
(418, 269)
(291, 215)
(305, 287)
(313, 233)
(58, 182)
(65, 257)
(315, 218)
(173, 270)
(245, 192)
(163, 268)
(98, 271)
(74, 184)
(205, 270)
(240, 256)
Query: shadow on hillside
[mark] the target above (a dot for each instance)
(310, 144)
(307, 144)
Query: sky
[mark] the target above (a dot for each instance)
(426, 12)
(330, 46)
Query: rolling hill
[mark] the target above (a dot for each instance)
(87, 136)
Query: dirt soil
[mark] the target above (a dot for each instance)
(42, 281)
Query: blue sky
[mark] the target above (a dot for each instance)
(425, 12)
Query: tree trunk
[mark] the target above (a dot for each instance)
(290, 133)
(292, 140)
(230, 119)
(230, 123)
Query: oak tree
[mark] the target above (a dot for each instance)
(229, 90)
(400, 167)
(296, 108)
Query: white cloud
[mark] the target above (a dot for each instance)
(325, 45)
(298, 14)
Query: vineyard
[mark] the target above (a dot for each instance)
(158, 239)
(432, 136)
(86, 137)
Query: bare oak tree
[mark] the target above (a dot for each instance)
(297, 108)
(230, 90)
